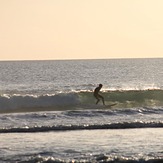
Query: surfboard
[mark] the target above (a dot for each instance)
(94, 106)
(110, 105)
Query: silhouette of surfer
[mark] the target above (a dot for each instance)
(97, 95)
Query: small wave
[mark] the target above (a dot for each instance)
(80, 100)
(124, 125)
(96, 159)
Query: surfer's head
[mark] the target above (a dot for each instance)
(100, 85)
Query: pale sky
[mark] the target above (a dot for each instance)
(80, 29)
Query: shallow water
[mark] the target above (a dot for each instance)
(85, 145)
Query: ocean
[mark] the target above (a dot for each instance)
(48, 112)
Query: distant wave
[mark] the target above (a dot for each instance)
(124, 125)
(98, 159)
(80, 99)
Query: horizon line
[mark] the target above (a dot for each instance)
(71, 59)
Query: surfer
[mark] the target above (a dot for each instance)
(97, 95)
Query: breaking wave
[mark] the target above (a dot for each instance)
(118, 125)
(80, 99)
(98, 159)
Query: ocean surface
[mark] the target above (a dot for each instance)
(48, 112)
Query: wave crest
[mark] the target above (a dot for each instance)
(72, 100)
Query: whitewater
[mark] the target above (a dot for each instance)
(48, 112)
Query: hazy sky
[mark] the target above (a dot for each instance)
(80, 29)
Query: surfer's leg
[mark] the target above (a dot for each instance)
(97, 97)
(97, 101)
(102, 99)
